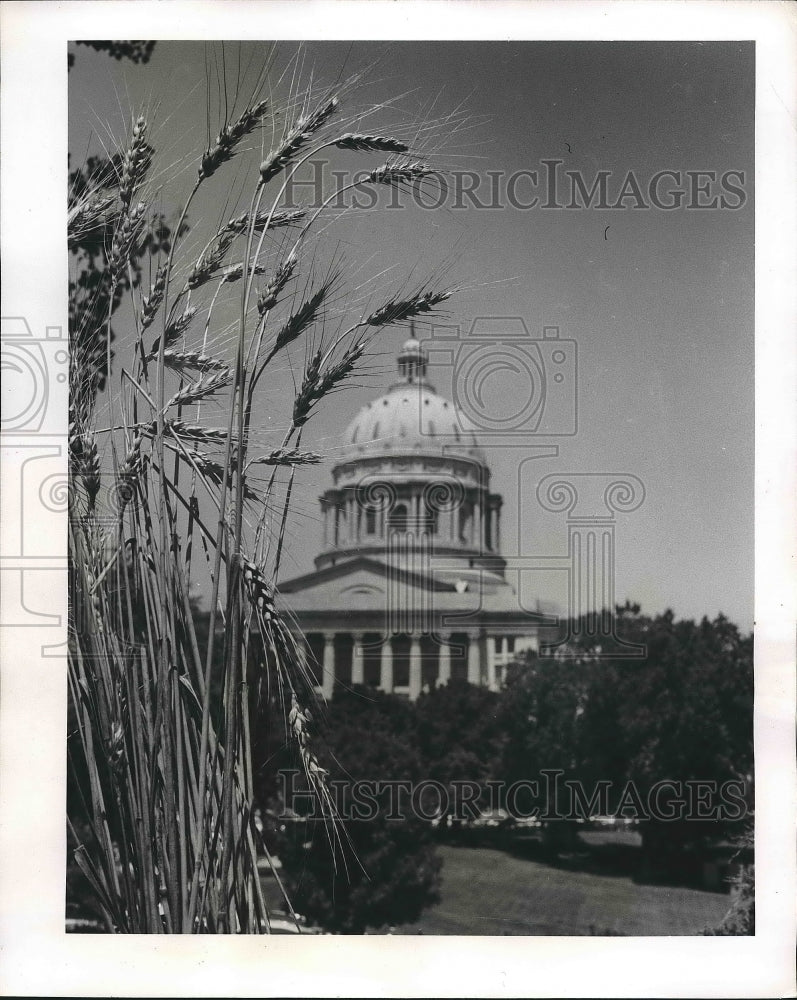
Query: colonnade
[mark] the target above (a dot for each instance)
(340, 657)
(474, 522)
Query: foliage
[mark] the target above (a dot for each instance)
(137, 52)
(542, 713)
(740, 918)
(386, 870)
(92, 297)
(683, 712)
(460, 734)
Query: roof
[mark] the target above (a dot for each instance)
(412, 417)
(365, 586)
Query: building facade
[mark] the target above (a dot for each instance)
(408, 589)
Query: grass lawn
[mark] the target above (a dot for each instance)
(485, 891)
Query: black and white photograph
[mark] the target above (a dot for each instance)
(408, 411)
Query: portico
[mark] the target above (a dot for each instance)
(406, 664)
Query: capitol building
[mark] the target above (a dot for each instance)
(409, 588)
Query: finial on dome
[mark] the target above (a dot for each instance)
(412, 359)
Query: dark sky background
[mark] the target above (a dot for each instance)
(661, 303)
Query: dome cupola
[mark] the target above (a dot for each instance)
(411, 472)
(412, 361)
(411, 418)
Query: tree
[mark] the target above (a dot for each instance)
(137, 52)
(93, 217)
(682, 713)
(687, 716)
(541, 714)
(460, 735)
(375, 871)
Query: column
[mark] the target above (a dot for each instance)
(454, 518)
(328, 675)
(325, 520)
(444, 671)
(474, 664)
(301, 652)
(351, 521)
(386, 665)
(416, 515)
(415, 667)
(492, 682)
(357, 659)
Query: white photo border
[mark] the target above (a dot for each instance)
(37, 956)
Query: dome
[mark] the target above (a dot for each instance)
(412, 417)
(411, 473)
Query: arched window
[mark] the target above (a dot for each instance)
(398, 517)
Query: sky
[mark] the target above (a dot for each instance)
(660, 303)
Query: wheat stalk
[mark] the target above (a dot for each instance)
(265, 220)
(405, 172)
(125, 236)
(208, 384)
(152, 302)
(288, 456)
(135, 164)
(210, 261)
(371, 143)
(298, 137)
(182, 360)
(402, 309)
(165, 760)
(230, 137)
(317, 383)
(267, 298)
(174, 331)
